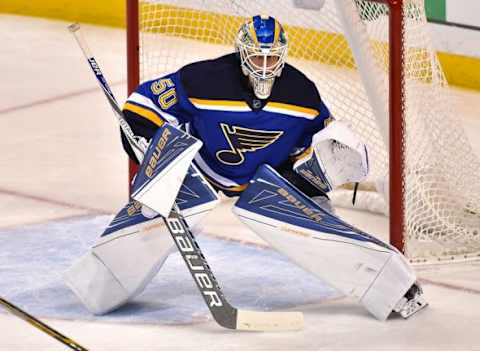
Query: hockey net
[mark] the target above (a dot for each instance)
(343, 45)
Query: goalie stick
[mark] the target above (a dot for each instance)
(222, 311)
(41, 326)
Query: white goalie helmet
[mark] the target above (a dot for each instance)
(262, 46)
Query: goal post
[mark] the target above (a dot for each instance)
(376, 69)
(133, 62)
(396, 131)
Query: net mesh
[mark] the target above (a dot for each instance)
(343, 47)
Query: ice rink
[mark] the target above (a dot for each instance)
(64, 175)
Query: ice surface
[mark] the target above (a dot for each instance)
(33, 258)
(89, 170)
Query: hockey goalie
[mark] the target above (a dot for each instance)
(253, 127)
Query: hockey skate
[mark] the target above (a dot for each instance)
(412, 302)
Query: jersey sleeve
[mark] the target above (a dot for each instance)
(319, 122)
(152, 104)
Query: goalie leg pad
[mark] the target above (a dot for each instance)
(133, 248)
(325, 203)
(389, 286)
(109, 275)
(121, 263)
(352, 261)
(99, 294)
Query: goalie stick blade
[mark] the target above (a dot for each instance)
(269, 321)
(223, 313)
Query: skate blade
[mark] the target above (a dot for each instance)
(413, 306)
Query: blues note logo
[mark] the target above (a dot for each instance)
(243, 140)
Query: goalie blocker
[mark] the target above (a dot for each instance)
(356, 263)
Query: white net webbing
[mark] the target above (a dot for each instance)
(342, 45)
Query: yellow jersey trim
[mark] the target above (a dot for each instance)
(238, 188)
(304, 110)
(304, 154)
(144, 112)
(218, 102)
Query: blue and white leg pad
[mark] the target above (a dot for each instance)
(133, 248)
(354, 262)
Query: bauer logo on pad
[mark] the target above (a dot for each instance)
(158, 148)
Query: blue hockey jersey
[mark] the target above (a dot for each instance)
(214, 102)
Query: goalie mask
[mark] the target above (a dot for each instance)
(262, 46)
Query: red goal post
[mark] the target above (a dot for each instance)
(404, 228)
(133, 62)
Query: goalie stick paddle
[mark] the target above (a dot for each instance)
(41, 326)
(222, 311)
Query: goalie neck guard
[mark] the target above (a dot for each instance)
(262, 46)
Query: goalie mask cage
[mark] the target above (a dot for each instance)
(375, 68)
